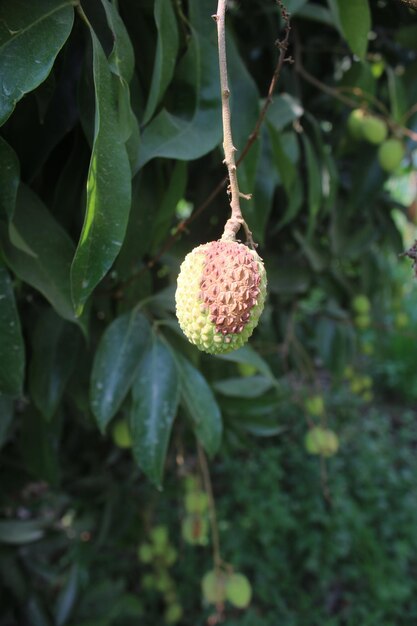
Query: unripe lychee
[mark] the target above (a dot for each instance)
(121, 434)
(220, 295)
(213, 587)
(238, 591)
(195, 530)
(322, 441)
(354, 123)
(390, 154)
(361, 304)
(374, 130)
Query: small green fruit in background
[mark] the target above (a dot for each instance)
(374, 130)
(196, 502)
(390, 154)
(238, 591)
(367, 348)
(361, 304)
(246, 370)
(145, 553)
(159, 537)
(315, 406)
(322, 441)
(220, 295)
(195, 529)
(354, 123)
(121, 434)
(363, 321)
(368, 396)
(170, 556)
(149, 581)
(213, 586)
(173, 614)
(401, 321)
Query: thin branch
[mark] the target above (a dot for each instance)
(212, 506)
(236, 221)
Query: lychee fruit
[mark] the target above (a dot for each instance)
(374, 129)
(390, 154)
(220, 295)
(238, 590)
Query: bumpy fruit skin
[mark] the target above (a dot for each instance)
(238, 591)
(390, 154)
(374, 130)
(220, 295)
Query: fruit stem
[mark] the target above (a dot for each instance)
(211, 507)
(236, 221)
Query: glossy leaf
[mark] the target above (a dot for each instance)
(248, 356)
(165, 56)
(9, 179)
(354, 18)
(66, 600)
(55, 345)
(39, 445)
(172, 136)
(12, 350)
(201, 405)
(283, 110)
(118, 355)
(108, 190)
(49, 270)
(174, 192)
(18, 532)
(156, 391)
(31, 35)
(247, 387)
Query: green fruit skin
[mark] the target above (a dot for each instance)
(145, 553)
(195, 324)
(173, 614)
(354, 123)
(321, 441)
(238, 591)
(390, 154)
(374, 130)
(362, 321)
(213, 586)
(194, 530)
(121, 434)
(361, 304)
(315, 406)
(196, 502)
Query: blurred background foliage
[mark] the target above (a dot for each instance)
(110, 147)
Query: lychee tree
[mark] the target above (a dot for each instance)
(115, 120)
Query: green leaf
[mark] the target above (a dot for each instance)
(39, 443)
(165, 56)
(67, 598)
(172, 135)
(49, 270)
(55, 345)
(31, 35)
(6, 416)
(248, 387)
(156, 391)
(121, 58)
(9, 179)
(248, 356)
(17, 532)
(173, 194)
(265, 182)
(117, 358)
(201, 405)
(122, 64)
(108, 190)
(354, 20)
(12, 350)
(313, 182)
(283, 110)
(398, 95)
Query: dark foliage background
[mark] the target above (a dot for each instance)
(110, 146)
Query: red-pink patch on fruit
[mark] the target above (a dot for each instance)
(229, 285)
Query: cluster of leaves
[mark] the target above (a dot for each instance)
(110, 139)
